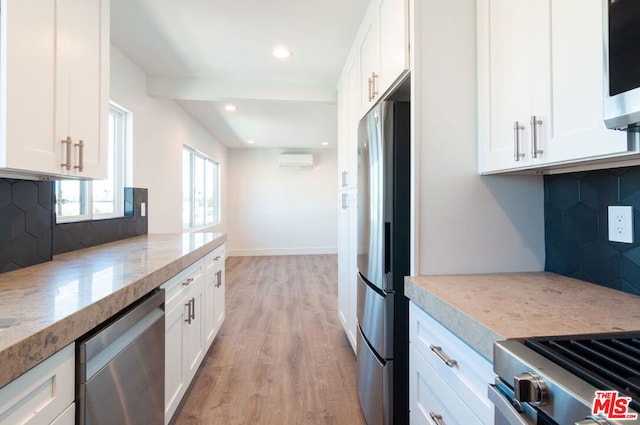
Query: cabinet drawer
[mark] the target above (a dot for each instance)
(176, 287)
(431, 397)
(41, 394)
(470, 374)
(215, 259)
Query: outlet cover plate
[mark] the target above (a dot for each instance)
(621, 224)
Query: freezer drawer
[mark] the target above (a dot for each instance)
(375, 317)
(375, 379)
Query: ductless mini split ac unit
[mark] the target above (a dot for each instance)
(295, 160)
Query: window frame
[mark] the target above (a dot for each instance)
(120, 167)
(209, 183)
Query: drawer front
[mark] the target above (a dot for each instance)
(215, 258)
(41, 394)
(471, 373)
(177, 287)
(431, 397)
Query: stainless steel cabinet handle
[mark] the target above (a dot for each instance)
(535, 122)
(68, 142)
(216, 258)
(374, 92)
(369, 96)
(193, 309)
(345, 205)
(436, 418)
(219, 277)
(344, 178)
(187, 282)
(80, 146)
(443, 356)
(188, 305)
(505, 406)
(517, 127)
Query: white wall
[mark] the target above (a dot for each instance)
(275, 211)
(160, 127)
(464, 223)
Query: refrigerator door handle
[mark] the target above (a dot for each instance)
(387, 247)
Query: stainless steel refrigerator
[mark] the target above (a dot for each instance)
(383, 261)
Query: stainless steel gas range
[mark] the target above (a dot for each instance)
(569, 380)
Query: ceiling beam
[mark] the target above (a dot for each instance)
(211, 89)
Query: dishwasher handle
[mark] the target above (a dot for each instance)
(96, 350)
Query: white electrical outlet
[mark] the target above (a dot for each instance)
(143, 209)
(621, 224)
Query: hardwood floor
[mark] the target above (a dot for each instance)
(281, 356)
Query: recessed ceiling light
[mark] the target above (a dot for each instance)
(325, 143)
(281, 52)
(251, 142)
(231, 108)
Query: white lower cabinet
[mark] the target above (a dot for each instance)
(214, 293)
(44, 395)
(448, 379)
(194, 306)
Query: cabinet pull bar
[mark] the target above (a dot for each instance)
(374, 92)
(216, 258)
(344, 178)
(517, 127)
(535, 122)
(193, 309)
(369, 97)
(219, 278)
(344, 201)
(437, 418)
(188, 305)
(443, 356)
(80, 165)
(187, 282)
(68, 142)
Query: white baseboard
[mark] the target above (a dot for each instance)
(260, 252)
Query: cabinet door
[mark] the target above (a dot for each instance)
(347, 284)
(369, 53)
(194, 334)
(577, 128)
(505, 79)
(82, 82)
(175, 382)
(394, 41)
(27, 70)
(219, 296)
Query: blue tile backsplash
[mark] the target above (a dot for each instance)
(576, 227)
(29, 235)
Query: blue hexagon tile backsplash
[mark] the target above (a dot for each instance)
(576, 227)
(29, 235)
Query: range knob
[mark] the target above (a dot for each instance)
(593, 420)
(530, 388)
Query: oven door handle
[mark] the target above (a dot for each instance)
(504, 406)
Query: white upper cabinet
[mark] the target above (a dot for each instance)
(383, 48)
(54, 85)
(540, 85)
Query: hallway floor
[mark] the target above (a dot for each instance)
(281, 356)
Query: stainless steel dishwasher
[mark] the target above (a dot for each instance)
(120, 367)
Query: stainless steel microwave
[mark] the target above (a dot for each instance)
(622, 64)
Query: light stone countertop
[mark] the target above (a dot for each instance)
(61, 300)
(483, 309)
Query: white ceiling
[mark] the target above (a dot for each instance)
(209, 53)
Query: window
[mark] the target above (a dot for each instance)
(86, 200)
(200, 190)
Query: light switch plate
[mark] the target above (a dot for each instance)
(621, 224)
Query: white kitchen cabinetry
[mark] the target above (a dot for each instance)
(540, 85)
(347, 269)
(44, 395)
(448, 380)
(383, 48)
(184, 333)
(54, 87)
(214, 289)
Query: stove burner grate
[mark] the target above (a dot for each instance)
(606, 361)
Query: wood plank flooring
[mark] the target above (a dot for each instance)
(281, 356)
